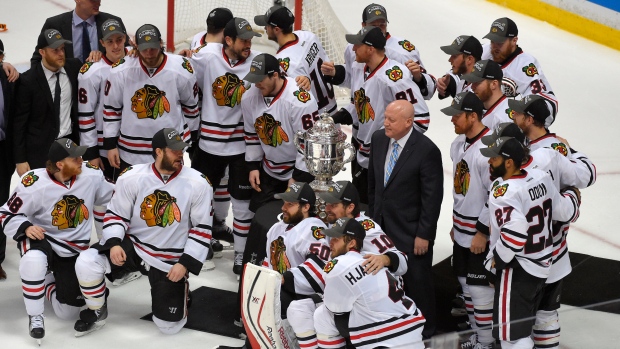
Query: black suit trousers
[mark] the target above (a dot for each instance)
(419, 286)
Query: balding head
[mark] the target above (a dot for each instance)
(398, 118)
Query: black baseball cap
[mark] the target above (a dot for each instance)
(240, 28)
(373, 12)
(346, 226)
(485, 70)
(534, 106)
(218, 17)
(464, 102)
(504, 129)
(464, 44)
(502, 29)
(298, 192)
(148, 36)
(65, 148)
(111, 27)
(277, 16)
(339, 192)
(1, 48)
(261, 66)
(368, 35)
(51, 38)
(507, 147)
(168, 138)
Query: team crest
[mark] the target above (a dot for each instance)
(461, 178)
(302, 95)
(199, 48)
(187, 66)
(500, 190)
(407, 45)
(494, 184)
(125, 170)
(329, 266)
(317, 233)
(510, 113)
(395, 73)
(278, 258)
(89, 165)
(206, 178)
(269, 130)
(560, 148)
(29, 179)
(160, 209)
(118, 63)
(227, 90)
(284, 63)
(530, 70)
(69, 212)
(365, 113)
(85, 67)
(149, 102)
(368, 224)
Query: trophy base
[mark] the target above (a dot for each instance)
(319, 185)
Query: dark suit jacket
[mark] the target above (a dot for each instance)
(8, 89)
(35, 126)
(409, 204)
(63, 23)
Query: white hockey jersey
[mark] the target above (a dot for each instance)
(471, 186)
(198, 40)
(521, 209)
(550, 141)
(304, 57)
(137, 105)
(64, 210)
(270, 128)
(221, 122)
(380, 313)
(498, 113)
(373, 91)
(168, 221)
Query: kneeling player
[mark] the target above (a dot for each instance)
(160, 215)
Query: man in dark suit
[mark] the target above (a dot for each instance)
(72, 25)
(45, 103)
(405, 190)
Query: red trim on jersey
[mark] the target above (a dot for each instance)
(99, 290)
(279, 92)
(136, 145)
(528, 163)
(521, 175)
(507, 63)
(71, 181)
(316, 272)
(158, 175)
(86, 122)
(469, 225)
(239, 227)
(512, 241)
(281, 167)
(225, 56)
(334, 342)
(383, 61)
(112, 113)
(203, 39)
(387, 36)
(262, 304)
(548, 135)
(161, 66)
(494, 105)
(196, 232)
(289, 44)
(388, 328)
(166, 256)
(221, 133)
(82, 247)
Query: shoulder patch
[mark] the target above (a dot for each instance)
(118, 63)
(199, 48)
(187, 66)
(329, 266)
(284, 63)
(125, 170)
(510, 113)
(407, 45)
(317, 233)
(29, 179)
(302, 95)
(560, 148)
(394, 73)
(89, 165)
(368, 224)
(500, 190)
(530, 70)
(207, 179)
(85, 67)
(495, 184)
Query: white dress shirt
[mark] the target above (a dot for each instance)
(401, 146)
(65, 98)
(76, 31)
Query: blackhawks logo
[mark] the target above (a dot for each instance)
(461, 178)
(160, 209)
(510, 113)
(284, 63)
(205, 177)
(149, 102)
(270, 130)
(329, 266)
(125, 170)
(89, 165)
(368, 224)
(29, 179)
(302, 95)
(317, 233)
(187, 66)
(364, 110)
(118, 63)
(69, 212)
(395, 73)
(85, 67)
(227, 90)
(530, 70)
(560, 148)
(407, 45)
(494, 184)
(500, 190)
(277, 255)
(199, 48)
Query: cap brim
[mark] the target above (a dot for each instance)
(147, 45)
(471, 77)
(254, 78)
(333, 232)
(354, 39)
(287, 196)
(516, 106)
(328, 197)
(79, 151)
(57, 44)
(488, 140)
(451, 111)
(494, 37)
(489, 152)
(372, 19)
(248, 35)
(108, 35)
(178, 146)
(261, 20)
(451, 50)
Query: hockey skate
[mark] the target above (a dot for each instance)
(222, 231)
(217, 248)
(129, 277)
(36, 327)
(238, 263)
(458, 305)
(91, 320)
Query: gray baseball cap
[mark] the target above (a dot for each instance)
(368, 35)
(298, 192)
(148, 36)
(218, 17)
(339, 192)
(346, 226)
(504, 129)
(464, 44)
(502, 29)
(507, 147)
(464, 102)
(261, 66)
(534, 106)
(485, 70)
(51, 38)
(240, 28)
(277, 16)
(65, 148)
(111, 27)
(168, 138)
(373, 12)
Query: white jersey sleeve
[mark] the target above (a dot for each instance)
(113, 102)
(22, 204)
(120, 209)
(188, 96)
(377, 242)
(89, 82)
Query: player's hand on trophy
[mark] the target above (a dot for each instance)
(255, 180)
(478, 243)
(375, 262)
(328, 68)
(177, 272)
(303, 82)
(34, 232)
(117, 255)
(114, 158)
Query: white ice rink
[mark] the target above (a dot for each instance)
(581, 72)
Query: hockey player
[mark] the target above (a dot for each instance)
(523, 72)
(363, 309)
(470, 193)
(486, 82)
(464, 52)
(216, 21)
(50, 215)
(521, 205)
(219, 71)
(300, 54)
(145, 94)
(160, 215)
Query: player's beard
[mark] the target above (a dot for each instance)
(55, 64)
(485, 94)
(69, 172)
(167, 163)
(499, 171)
(461, 69)
(294, 218)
